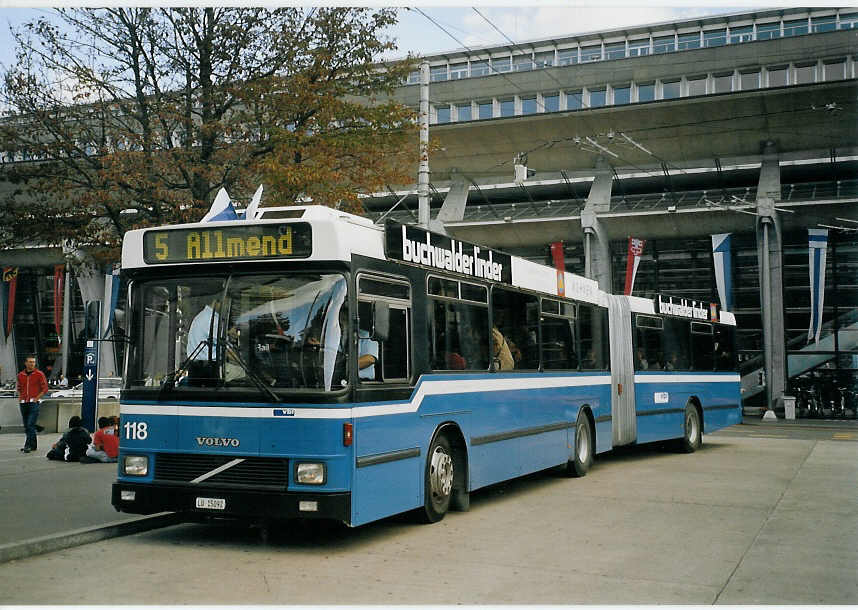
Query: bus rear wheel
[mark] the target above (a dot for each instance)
(583, 459)
(692, 436)
(438, 483)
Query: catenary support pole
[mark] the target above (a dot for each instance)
(66, 339)
(423, 169)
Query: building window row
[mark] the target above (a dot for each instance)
(744, 79)
(637, 46)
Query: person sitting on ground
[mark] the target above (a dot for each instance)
(72, 445)
(105, 444)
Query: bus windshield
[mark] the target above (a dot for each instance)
(239, 333)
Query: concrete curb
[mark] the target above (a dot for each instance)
(803, 424)
(86, 535)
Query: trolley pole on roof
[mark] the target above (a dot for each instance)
(423, 168)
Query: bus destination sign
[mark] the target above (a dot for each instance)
(687, 308)
(415, 245)
(241, 242)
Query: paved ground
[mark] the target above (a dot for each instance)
(42, 497)
(749, 519)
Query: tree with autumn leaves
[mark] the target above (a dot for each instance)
(132, 117)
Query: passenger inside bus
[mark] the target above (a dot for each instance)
(641, 363)
(367, 347)
(204, 325)
(474, 346)
(501, 354)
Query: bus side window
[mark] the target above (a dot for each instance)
(513, 317)
(649, 350)
(394, 351)
(702, 347)
(383, 358)
(593, 332)
(677, 349)
(559, 345)
(459, 336)
(725, 353)
(458, 325)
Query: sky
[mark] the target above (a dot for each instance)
(417, 34)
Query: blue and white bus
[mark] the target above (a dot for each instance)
(313, 364)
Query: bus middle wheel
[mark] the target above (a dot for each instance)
(584, 445)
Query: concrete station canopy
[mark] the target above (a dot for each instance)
(695, 134)
(682, 132)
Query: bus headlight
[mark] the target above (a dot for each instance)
(136, 465)
(310, 473)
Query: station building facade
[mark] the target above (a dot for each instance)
(743, 124)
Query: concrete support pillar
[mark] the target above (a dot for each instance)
(770, 264)
(67, 337)
(453, 208)
(423, 168)
(597, 245)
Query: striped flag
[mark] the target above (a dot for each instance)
(252, 210)
(817, 241)
(114, 299)
(558, 257)
(723, 269)
(10, 283)
(636, 247)
(222, 208)
(59, 284)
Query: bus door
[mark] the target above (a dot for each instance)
(388, 474)
(624, 422)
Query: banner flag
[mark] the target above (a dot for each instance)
(222, 208)
(636, 247)
(114, 299)
(252, 210)
(59, 282)
(817, 240)
(4, 300)
(558, 257)
(10, 285)
(723, 269)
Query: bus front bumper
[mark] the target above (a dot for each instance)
(149, 498)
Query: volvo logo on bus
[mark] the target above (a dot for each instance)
(217, 441)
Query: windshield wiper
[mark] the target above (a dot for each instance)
(257, 381)
(170, 380)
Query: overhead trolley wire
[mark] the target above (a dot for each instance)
(466, 47)
(514, 44)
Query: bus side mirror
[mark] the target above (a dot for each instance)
(380, 321)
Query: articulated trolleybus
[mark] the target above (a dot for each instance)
(313, 364)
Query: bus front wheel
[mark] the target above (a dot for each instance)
(580, 464)
(438, 484)
(692, 436)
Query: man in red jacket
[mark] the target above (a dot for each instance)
(32, 385)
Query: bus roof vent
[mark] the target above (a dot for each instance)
(275, 213)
